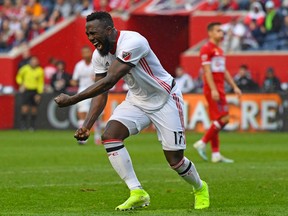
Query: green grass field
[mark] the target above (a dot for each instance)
(47, 173)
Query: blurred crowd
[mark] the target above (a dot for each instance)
(243, 79)
(23, 20)
(263, 27)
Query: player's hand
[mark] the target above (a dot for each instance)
(237, 91)
(82, 134)
(215, 95)
(63, 100)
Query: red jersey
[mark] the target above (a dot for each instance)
(213, 55)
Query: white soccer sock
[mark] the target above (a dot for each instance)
(186, 169)
(121, 162)
(97, 129)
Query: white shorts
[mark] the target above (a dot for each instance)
(168, 121)
(84, 106)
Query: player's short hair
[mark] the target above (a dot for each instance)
(211, 25)
(102, 16)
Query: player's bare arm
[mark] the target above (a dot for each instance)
(116, 71)
(231, 82)
(97, 106)
(209, 78)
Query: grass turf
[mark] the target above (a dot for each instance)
(47, 173)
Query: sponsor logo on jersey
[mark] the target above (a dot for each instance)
(126, 55)
(107, 64)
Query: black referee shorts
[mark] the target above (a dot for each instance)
(28, 98)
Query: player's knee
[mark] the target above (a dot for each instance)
(174, 157)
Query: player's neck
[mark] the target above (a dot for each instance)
(211, 40)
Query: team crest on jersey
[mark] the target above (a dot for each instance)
(107, 64)
(126, 55)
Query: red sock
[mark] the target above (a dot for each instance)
(215, 127)
(215, 143)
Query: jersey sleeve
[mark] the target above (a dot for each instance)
(131, 50)
(76, 72)
(205, 55)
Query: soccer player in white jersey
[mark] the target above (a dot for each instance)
(83, 77)
(153, 97)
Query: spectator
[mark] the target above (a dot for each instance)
(234, 31)
(61, 79)
(271, 83)
(255, 14)
(64, 7)
(283, 35)
(283, 10)
(35, 30)
(119, 6)
(55, 18)
(272, 26)
(228, 5)
(253, 37)
(30, 79)
(184, 80)
(49, 71)
(272, 19)
(244, 81)
(85, 8)
(18, 39)
(35, 9)
(5, 35)
(101, 5)
(26, 56)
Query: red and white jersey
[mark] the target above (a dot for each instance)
(84, 74)
(148, 82)
(213, 55)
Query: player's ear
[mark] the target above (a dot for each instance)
(109, 29)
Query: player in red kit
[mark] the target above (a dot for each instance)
(215, 74)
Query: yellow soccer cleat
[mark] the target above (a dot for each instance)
(138, 198)
(202, 197)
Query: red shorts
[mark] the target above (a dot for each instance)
(217, 109)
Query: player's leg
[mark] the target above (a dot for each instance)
(25, 108)
(218, 112)
(34, 112)
(126, 120)
(171, 134)
(215, 143)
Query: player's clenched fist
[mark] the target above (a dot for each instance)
(63, 100)
(82, 134)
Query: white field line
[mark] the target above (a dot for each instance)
(83, 184)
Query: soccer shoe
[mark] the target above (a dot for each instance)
(221, 159)
(200, 146)
(82, 142)
(202, 197)
(138, 198)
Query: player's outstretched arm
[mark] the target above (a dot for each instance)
(116, 71)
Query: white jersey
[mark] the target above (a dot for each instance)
(148, 82)
(84, 74)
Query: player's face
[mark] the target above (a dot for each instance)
(99, 36)
(216, 33)
(86, 53)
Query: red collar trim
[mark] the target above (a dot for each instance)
(115, 45)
